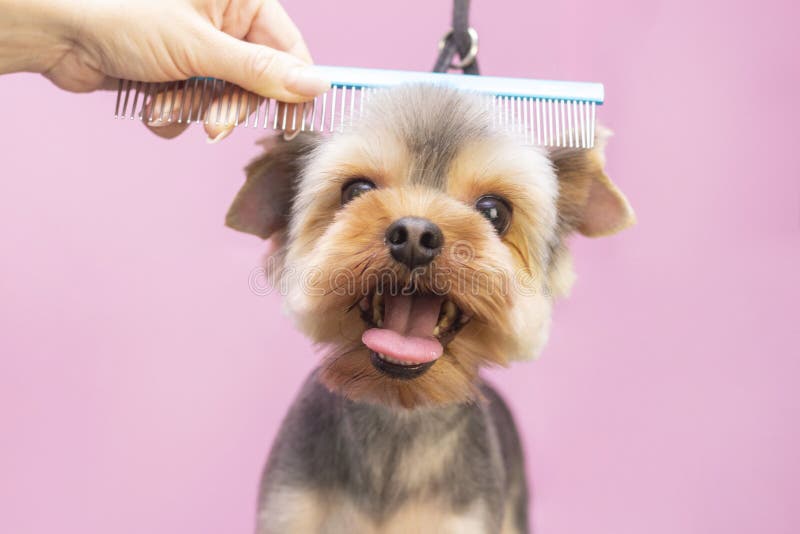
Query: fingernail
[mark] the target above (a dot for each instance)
(304, 81)
(159, 120)
(155, 114)
(220, 136)
(289, 135)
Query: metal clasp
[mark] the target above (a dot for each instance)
(469, 59)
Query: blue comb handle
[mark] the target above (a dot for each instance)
(490, 85)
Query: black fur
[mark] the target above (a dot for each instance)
(332, 444)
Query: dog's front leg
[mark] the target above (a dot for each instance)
(296, 510)
(291, 510)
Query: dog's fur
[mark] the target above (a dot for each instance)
(361, 451)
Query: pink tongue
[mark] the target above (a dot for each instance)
(408, 323)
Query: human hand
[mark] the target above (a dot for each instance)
(87, 45)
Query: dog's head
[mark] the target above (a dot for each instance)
(423, 243)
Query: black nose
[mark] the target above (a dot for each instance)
(414, 241)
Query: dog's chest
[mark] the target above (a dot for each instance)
(388, 458)
(352, 467)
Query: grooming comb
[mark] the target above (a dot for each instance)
(539, 112)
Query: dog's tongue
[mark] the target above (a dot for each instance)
(407, 333)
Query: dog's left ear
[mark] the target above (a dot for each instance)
(263, 204)
(588, 202)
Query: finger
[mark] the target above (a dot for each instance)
(152, 103)
(229, 109)
(169, 131)
(170, 108)
(261, 69)
(218, 105)
(273, 27)
(236, 107)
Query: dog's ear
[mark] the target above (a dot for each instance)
(263, 204)
(588, 202)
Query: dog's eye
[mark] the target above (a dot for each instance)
(355, 188)
(496, 210)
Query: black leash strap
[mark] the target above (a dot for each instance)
(461, 40)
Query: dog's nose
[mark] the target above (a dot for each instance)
(414, 241)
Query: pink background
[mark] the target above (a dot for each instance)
(141, 382)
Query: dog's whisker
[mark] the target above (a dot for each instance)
(366, 259)
(352, 305)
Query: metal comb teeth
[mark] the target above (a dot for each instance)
(550, 122)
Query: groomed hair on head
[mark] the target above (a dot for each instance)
(504, 211)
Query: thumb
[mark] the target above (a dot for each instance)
(260, 69)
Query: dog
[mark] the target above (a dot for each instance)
(414, 249)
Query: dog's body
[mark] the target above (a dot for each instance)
(417, 248)
(340, 466)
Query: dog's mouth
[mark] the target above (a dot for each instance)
(407, 333)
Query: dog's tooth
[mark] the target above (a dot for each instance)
(450, 309)
(448, 315)
(392, 360)
(464, 319)
(377, 308)
(379, 322)
(436, 330)
(377, 313)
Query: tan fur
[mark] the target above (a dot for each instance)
(588, 201)
(330, 241)
(432, 153)
(353, 243)
(508, 521)
(292, 510)
(506, 284)
(425, 460)
(297, 511)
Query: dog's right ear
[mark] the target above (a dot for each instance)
(588, 201)
(263, 204)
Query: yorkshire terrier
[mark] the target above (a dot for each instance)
(416, 248)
